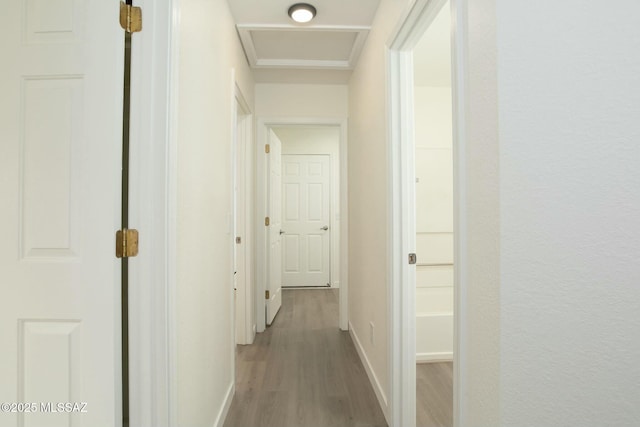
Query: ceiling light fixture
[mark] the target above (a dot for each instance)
(302, 12)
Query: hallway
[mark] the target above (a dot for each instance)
(303, 371)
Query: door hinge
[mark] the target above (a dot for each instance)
(266, 221)
(413, 258)
(238, 240)
(267, 148)
(126, 243)
(266, 295)
(130, 18)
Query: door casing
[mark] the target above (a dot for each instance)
(152, 209)
(243, 205)
(264, 125)
(401, 226)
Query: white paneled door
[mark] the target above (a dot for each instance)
(60, 156)
(274, 284)
(306, 218)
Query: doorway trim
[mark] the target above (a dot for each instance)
(402, 348)
(263, 126)
(153, 192)
(242, 152)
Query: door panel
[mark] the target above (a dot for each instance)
(60, 157)
(274, 285)
(307, 187)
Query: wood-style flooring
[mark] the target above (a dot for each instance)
(303, 371)
(434, 398)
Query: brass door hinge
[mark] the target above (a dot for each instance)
(126, 243)
(266, 294)
(413, 259)
(267, 148)
(266, 221)
(130, 18)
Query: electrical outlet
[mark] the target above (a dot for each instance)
(372, 336)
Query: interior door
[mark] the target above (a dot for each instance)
(274, 284)
(306, 205)
(61, 81)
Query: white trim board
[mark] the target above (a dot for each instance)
(224, 410)
(375, 383)
(263, 126)
(243, 148)
(153, 370)
(247, 39)
(434, 357)
(401, 229)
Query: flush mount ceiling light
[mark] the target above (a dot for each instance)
(302, 12)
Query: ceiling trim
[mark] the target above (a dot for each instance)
(302, 63)
(244, 31)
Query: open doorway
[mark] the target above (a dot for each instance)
(310, 206)
(303, 191)
(433, 145)
(425, 220)
(301, 194)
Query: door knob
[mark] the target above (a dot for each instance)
(325, 228)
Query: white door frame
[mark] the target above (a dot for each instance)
(263, 126)
(402, 348)
(153, 191)
(242, 151)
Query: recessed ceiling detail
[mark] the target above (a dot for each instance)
(278, 46)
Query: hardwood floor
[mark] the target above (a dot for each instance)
(303, 371)
(434, 398)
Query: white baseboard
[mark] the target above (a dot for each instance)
(434, 357)
(222, 415)
(377, 388)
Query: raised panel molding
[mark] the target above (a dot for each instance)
(315, 206)
(292, 169)
(52, 21)
(292, 201)
(315, 242)
(50, 135)
(49, 368)
(291, 253)
(315, 169)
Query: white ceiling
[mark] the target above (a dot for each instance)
(322, 51)
(432, 54)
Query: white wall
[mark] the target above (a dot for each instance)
(479, 318)
(549, 326)
(208, 52)
(301, 100)
(320, 140)
(569, 132)
(553, 211)
(368, 204)
(434, 223)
